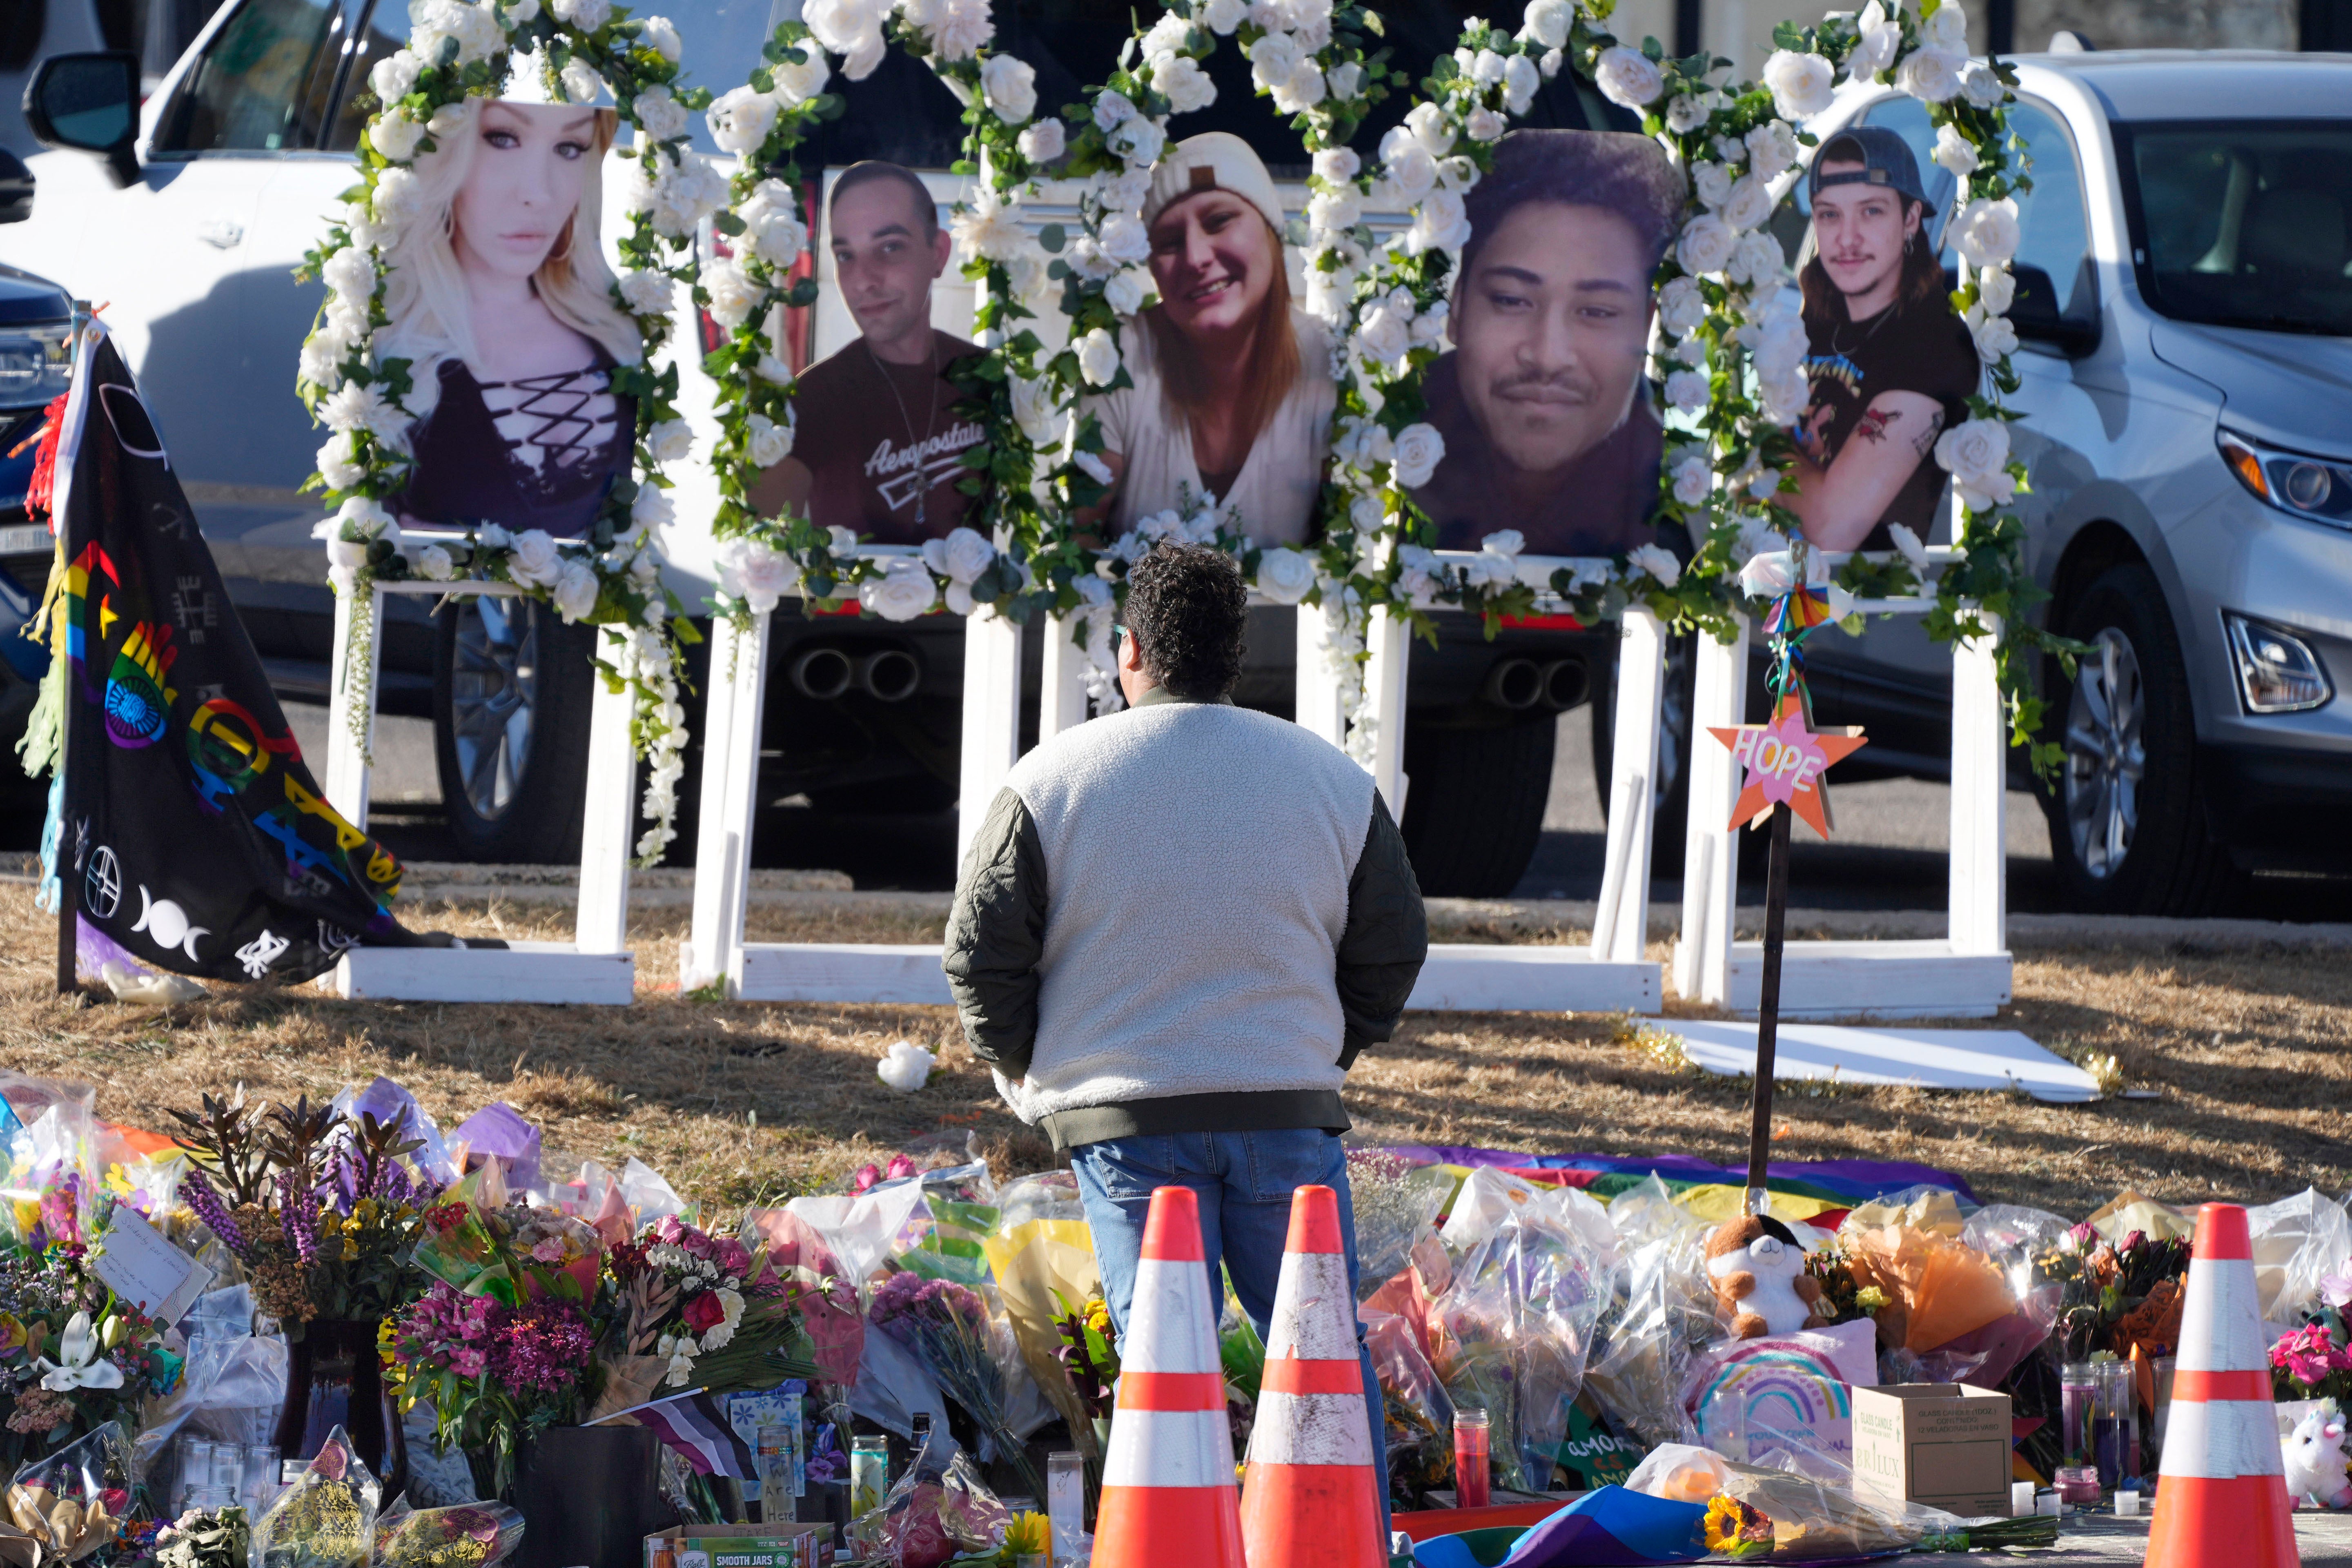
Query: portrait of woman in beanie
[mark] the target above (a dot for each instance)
(1232, 394)
(1541, 399)
(1890, 366)
(501, 300)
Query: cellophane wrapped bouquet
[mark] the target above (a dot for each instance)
(947, 1324)
(327, 1517)
(75, 1500)
(469, 1535)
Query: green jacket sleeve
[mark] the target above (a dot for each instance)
(1387, 937)
(996, 934)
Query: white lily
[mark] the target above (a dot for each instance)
(83, 1367)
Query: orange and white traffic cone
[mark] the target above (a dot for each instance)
(2222, 1493)
(1311, 1499)
(1168, 1479)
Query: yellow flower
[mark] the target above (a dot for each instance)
(1026, 1535)
(1732, 1529)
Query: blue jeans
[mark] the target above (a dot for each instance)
(1245, 1181)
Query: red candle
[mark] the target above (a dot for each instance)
(1470, 1455)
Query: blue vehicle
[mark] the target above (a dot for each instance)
(36, 327)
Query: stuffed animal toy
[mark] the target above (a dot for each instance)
(2315, 1458)
(1760, 1276)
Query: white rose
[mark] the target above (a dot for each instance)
(1125, 240)
(1681, 307)
(1757, 258)
(962, 557)
(849, 29)
(842, 542)
(1768, 574)
(1112, 110)
(339, 464)
(1996, 289)
(1137, 142)
(740, 121)
(1995, 336)
(988, 229)
(771, 369)
(1427, 124)
(1711, 182)
(670, 441)
(1974, 450)
(767, 442)
(1930, 75)
(1407, 168)
(653, 508)
(646, 293)
(1907, 545)
(1520, 81)
(1694, 479)
(1687, 390)
(1187, 87)
(1706, 245)
(536, 563)
(1273, 59)
(433, 565)
(1043, 141)
(1284, 575)
(1749, 205)
(775, 237)
(1947, 28)
(1880, 42)
(1627, 77)
(1547, 23)
(1953, 151)
(1024, 274)
(734, 293)
(1801, 84)
(1385, 336)
(1303, 90)
(580, 82)
(395, 135)
(399, 195)
(574, 590)
(1009, 87)
(1485, 125)
(493, 537)
(1504, 542)
(1986, 232)
(659, 34)
(1098, 359)
(902, 592)
(1686, 113)
(1337, 165)
(1980, 86)
(1347, 80)
(351, 275)
(964, 26)
(1658, 562)
(1335, 211)
(1771, 147)
(1094, 468)
(1035, 408)
(393, 77)
(1486, 68)
(1438, 223)
(756, 573)
(1223, 15)
(1419, 449)
(585, 15)
(1126, 289)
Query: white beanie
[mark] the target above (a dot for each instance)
(1212, 161)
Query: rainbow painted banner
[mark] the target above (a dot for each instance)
(1816, 1190)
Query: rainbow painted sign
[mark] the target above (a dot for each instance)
(1787, 1394)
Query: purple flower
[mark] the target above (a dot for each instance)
(542, 1346)
(198, 1194)
(297, 1216)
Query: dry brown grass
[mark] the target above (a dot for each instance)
(2252, 1054)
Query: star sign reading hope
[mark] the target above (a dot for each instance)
(1783, 763)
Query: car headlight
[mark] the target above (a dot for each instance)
(2308, 487)
(2278, 672)
(36, 362)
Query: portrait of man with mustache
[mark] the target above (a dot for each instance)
(1541, 399)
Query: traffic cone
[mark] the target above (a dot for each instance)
(1311, 1497)
(2222, 1493)
(1168, 1479)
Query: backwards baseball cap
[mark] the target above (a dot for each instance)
(1212, 161)
(1886, 160)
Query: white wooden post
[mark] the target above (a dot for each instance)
(991, 718)
(731, 770)
(348, 747)
(1620, 921)
(606, 840)
(1710, 850)
(1061, 679)
(1390, 639)
(1317, 704)
(1979, 798)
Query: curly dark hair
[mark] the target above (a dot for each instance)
(1617, 171)
(1186, 609)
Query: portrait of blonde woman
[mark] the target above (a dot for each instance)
(501, 299)
(1233, 393)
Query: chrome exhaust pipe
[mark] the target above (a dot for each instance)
(890, 676)
(1514, 683)
(822, 673)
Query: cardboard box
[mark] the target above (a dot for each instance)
(1943, 1444)
(736, 1546)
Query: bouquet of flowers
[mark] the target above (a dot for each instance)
(494, 1374)
(1089, 1354)
(327, 1517)
(75, 1500)
(471, 1535)
(703, 1312)
(72, 1356)
(512, 1251)
(946, 1325)
(2313, 1362)
(204, 1538)
(321, 1211)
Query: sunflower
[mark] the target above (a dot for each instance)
(1027, 1535)
(1735, 1529)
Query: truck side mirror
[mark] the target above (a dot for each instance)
(91, 102)
(2040, 316)
(15, 188)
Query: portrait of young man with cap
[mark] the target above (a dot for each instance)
(1540, 400)
(1890, 366)
(876, 444)
(1233, 393)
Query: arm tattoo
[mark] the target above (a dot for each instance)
(1926, 443)
(1872, 426)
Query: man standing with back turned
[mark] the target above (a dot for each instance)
(1174, 933)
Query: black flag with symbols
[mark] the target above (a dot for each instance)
(195, 838)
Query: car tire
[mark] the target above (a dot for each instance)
(1670, 800)
(1475, 807)
(511, 689)
(2127, 821)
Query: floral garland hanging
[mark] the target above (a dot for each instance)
(459, 49)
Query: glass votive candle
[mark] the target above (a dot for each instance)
(2021, 1499)
(1470, 1448)
(2127, 1503)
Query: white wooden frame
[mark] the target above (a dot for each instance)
(1965, 975)
(596, 965)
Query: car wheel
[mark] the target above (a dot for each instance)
(1670, 794)
(512, 687)
(2127, 824)
(1475, 809)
